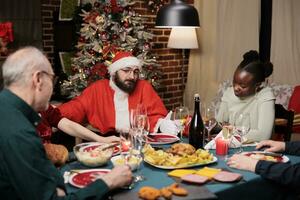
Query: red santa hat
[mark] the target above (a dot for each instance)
(123, 59)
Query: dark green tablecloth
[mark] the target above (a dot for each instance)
(251, 186)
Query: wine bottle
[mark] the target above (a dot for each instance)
(196, 131)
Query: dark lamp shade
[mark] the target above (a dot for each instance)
(177, 14)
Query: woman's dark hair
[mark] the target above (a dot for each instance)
(252, 64)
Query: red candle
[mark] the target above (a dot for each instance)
(221, 146)
(125, 145)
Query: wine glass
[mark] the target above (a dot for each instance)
(136, 151)
(136, 115)
(242, 126)
(209, 120)
(146, 130)
(180, 116)
(125, 143)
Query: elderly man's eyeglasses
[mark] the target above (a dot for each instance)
(51, 76)
(128, 71)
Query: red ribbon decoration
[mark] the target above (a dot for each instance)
(6, 32)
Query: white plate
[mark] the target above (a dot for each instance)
(182, 166)
(88, 146)
(162, 138)
(283, 158)
(83, 178)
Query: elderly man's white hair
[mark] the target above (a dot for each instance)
(19, 66)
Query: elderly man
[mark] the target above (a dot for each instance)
(25, 171)
(106, 103)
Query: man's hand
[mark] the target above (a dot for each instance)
(111, 139)
(242, 162)
(272, 146)
(168, 126)
(118, 177)
(60, 192)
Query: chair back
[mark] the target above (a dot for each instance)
(283, 122)
(294, 105)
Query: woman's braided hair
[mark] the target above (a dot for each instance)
(252, 64)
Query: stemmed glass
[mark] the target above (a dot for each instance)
(209, 120)
(140, 127)
(208, 114)
(242, 126)
(180, 116)
(125, 143)
(136, 150)
(138, 117)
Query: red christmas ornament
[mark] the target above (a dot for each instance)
(146, 46)
(81, 39)
(126, 24)
(115, 36)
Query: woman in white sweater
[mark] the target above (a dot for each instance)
(250, 95)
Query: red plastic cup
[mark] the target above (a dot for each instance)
(221, 146)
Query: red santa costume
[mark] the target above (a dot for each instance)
(106, 107)
(50, 118)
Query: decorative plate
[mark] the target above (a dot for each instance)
(260, 155)
(83, 178)
(161, 138)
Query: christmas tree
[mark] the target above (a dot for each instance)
(107, 27)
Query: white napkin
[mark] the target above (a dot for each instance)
(234, 141)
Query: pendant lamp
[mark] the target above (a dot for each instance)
(177, 14)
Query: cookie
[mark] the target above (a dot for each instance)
(149, 193)
(166, 193)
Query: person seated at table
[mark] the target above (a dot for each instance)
(53, 118)
(283, 173)
(249, 94)
(26, 172)
(106, 104)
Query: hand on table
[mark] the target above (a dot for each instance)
(242, 162)
(111, 139)
(118, 177)
(270, 145)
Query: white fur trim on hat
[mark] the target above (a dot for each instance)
(123, 63)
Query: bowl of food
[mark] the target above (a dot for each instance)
(133, 161)
(93, 157)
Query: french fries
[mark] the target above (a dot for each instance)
(162, 158)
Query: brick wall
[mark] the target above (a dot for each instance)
(48, 7)
(171, 60)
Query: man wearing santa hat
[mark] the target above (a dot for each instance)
(106, 104)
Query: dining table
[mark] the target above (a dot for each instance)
(250, 186)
